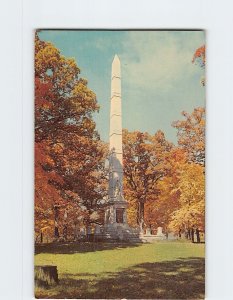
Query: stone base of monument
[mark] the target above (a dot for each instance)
(116, 228)
(119, 233)
(124, 233)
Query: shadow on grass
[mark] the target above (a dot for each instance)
(179, 279)
(70, 248)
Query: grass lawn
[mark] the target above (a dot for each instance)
(162, 270)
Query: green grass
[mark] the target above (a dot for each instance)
(162, 270)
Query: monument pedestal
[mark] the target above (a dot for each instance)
(120, 233)
(116, 211)
(116, 228)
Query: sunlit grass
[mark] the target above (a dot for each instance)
(104, 273)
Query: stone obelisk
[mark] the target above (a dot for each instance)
(115, 134)
(116, 213)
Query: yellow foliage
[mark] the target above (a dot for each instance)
(191, 186)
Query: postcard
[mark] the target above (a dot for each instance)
(119, 164)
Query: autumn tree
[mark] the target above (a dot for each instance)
(178, 201)
(191, 202)
(199, 58)
(144, 165)
(65, 130)
(191, 134)
(190, 173)
(46, 194)
(159, 208)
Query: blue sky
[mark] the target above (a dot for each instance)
(159, 80)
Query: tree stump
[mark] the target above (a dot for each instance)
(46, 276)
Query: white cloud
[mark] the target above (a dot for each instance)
(159, 59)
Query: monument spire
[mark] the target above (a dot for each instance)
(115, 134)
(115, 214)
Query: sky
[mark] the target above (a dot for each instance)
(159, 80)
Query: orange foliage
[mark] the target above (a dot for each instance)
(144, 165)
(191, 134)
(69, 156)
(200, 56)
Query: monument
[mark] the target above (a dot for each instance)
(116, 213)
(115, 225)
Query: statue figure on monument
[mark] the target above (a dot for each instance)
(118, 189)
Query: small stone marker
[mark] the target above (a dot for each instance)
(148, 231)
(160, 231)
(46, 276)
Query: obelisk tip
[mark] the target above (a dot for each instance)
(116, 58)
(116, 67)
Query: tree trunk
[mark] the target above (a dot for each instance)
(180, 233)
(192, 235)
(56, 232)
(189, 233)
(140, 213)
(46, 276)
(56, 214)
(198, 235)
(65, 232)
